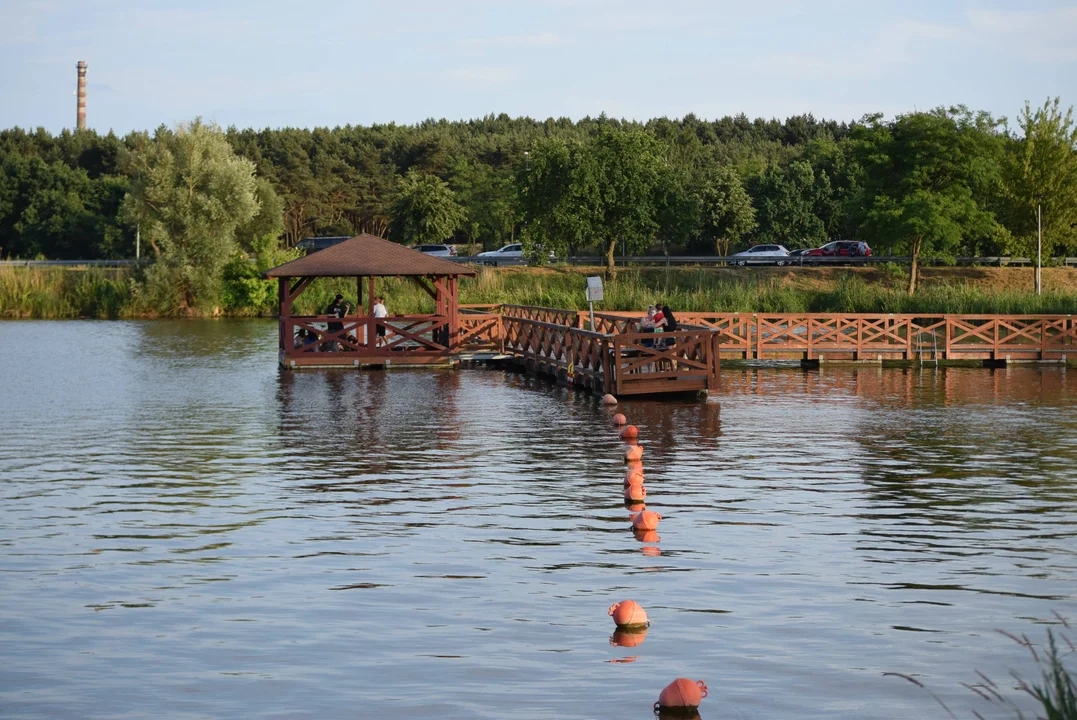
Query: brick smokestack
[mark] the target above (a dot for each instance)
(80, 122)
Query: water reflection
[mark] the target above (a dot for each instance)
(179, 515)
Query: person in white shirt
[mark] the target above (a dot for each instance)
(380, 312)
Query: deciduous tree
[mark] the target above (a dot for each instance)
(189, 193)
(425, 210)
(1041, 170)
(922, 173)
(726, 209)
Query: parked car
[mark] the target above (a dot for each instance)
(763, 255)
(799, 253)
(436, 250)
(314, 244)
(510, 254)
(841, 248)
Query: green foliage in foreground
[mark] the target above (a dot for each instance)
(43, 292)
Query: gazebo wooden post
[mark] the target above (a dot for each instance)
(285, 310)
(453, 309)
(372, 331)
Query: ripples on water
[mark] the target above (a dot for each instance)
(187, 531)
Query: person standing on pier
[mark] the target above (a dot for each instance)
(380, 312)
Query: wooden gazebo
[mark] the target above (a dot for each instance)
(307, 341)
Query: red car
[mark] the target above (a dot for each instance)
(841, 248)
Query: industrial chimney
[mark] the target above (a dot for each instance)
(80, 123)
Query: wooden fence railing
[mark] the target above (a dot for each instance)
(569, 318)
(871, 336)
(619, 363)
(420, 338)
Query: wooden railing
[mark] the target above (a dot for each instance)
(480, 331)
(872, 336)
(623, 363)
(569, 318)
(416, 337)
(664, 362)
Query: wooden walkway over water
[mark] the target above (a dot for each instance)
(874, 337)
(613, 357)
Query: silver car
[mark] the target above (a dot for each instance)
(509, 255)
(763, 255)
(436, 250)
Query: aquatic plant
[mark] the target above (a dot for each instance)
(1055, 691)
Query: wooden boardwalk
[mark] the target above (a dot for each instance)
(614, 360)
(613, 357)
(876, 337)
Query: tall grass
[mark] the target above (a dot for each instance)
(59, 292)
(1054, 692)
(49, 292)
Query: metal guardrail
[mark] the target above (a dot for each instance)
(69, 263)
(995, 261)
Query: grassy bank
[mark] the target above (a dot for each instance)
(38, 292)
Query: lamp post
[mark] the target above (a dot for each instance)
(1039, 247)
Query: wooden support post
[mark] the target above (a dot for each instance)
(371, 328)
(453, 310)
(284, 310)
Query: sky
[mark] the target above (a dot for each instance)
(268, 63)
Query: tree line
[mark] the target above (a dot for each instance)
(943, 182)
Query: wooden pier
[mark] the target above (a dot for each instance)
(613, 356)
(616, 359)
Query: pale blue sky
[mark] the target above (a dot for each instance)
(272, 63)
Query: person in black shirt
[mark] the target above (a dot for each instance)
(338, 309)
(671, 322)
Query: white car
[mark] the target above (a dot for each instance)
(763, 255)
(436, 250)
(509, 255)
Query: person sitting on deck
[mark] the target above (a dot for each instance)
(338, 309)
(669, 324)
(646, 325)
(659, 319)
(300, 338)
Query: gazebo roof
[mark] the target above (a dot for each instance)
(365, 255)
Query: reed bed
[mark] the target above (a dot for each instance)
(38, 292)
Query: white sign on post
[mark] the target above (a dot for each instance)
(594, 293)
(594, 288)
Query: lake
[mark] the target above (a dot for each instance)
(189, 531)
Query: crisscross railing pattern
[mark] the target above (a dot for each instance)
(862, 335)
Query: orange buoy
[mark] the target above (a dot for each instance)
(646, 520)
(628, 637)
(633, 453)
(619, 419)
(628, 614)
(608, 399)
(634, 476)
(628, 432)
(635, 493)
(682, 694)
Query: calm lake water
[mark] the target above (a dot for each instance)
(187, 531)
